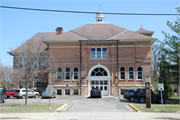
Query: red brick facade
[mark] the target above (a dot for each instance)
(72, 49)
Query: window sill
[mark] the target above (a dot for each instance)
(67, 80)
(75, 80)
(131, 79)
(98, 58)
(123, 79)
(139, 79)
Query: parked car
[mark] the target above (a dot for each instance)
(21, 93)
(128, 94)
(140, 95)
(9, 93)
(3, 96)
(46, 95)
(95, 92)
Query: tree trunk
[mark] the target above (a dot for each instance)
(27, 85)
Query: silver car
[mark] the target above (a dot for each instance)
(3, 96)
(46, 95)
(21, 93)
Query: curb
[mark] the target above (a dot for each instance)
(61, 107)
(134, 108)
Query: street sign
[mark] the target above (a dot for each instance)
(160, 86)
(50, 89)
(66, 85)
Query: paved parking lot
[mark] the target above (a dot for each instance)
(83, 104)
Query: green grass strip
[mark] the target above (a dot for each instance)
(158, 108)
(30, 108)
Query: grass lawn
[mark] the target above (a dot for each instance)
(158, 108)
(175, 97)
(30, 108)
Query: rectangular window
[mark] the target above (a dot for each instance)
(139, 75)
(98, 53)
(67, 92)
(122, 75)
(131, 75)
(104, 53)
(67, 76)
(21, 62)
(59, 76)
(93, 53)
(59, 92)
(75, 91)
(37, 82)
(38, 63)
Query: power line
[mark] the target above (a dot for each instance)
(85, 12)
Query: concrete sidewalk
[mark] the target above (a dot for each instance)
(92, 116)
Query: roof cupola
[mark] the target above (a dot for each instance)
(100, 16)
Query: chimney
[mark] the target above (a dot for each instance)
(59, 30)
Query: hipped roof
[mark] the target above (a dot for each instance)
(90, 32)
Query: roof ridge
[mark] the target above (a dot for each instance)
(79, 34)
(118, 34)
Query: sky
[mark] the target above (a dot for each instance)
(17, 26)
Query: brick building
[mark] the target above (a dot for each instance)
(98, 55)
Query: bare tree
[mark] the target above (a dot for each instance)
(8, 77)
(156, 55)
(31, 58)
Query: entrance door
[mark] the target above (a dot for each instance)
(102, 85)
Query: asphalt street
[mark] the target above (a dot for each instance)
(83, 104)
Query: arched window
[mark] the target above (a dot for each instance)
(75, 73)
(139, 73)
(122, 73)
(131, 73)
(67, 73)
(59, 74)
(99, 72)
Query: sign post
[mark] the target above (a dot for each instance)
(148, 92)
(161, 88)
(49, 90)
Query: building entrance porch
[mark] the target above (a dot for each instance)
(99, 77)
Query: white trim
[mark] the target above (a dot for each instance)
(100, 46)
(151, 40)
(128, 74)
(123, 71)
(96, 66)
(137, 73)
(89, 78)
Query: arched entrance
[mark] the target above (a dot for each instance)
(99, 76)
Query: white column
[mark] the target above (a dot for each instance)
(89, 81)
(109, 88)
